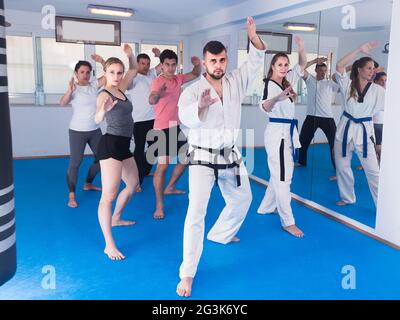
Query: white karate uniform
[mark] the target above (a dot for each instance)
(278, 144)
(374, 101)
(218, 128)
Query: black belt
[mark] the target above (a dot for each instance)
(225, 152)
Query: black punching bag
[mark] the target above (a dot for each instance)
(8, 259)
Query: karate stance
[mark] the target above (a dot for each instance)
(211, 108)
(281, 136)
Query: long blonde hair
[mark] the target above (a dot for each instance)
(113, 60)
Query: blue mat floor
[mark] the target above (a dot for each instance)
(267, 264)
(311, 182)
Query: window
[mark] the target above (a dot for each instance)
(20, 67)
(257, 87)
(58, 62)
(147, 47)
(113, 51)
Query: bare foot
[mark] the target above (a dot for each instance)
(158, 214)
(119, 222)
(171, 190)
(359, 168)
(72, 201)
(138, 189)
(341, 203)
(235, 239)
(89, 186)
(332, 178)
(184, 288)
(113, 253)
(293, 230)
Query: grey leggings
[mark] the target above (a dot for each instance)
(77, 144)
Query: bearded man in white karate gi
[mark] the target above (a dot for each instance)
(211, 109)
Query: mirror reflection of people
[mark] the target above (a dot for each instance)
(281, 136)
(83, 130)
(362, 99)
(380, 79)
(320, 94)
(211, 109)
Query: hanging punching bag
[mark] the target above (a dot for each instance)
(8, 261)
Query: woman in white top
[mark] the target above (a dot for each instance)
(281, 136)
(82, 129)
(362, 99)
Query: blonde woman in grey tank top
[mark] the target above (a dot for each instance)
(116, 161)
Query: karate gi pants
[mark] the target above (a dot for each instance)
(238, 200)
(344, 173)
(277, 196)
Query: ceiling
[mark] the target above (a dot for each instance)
(161, 11)
(330, 23)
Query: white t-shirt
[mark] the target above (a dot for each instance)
(319, 96)
(84, 107)
(139, 92)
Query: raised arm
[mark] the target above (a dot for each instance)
(302, 53)
(104, 104)
(348, 58)
(158, 67)
(101, 81)
(66, 98)
(196, 62)
(253, 36)
(132, 71)
(317, 61)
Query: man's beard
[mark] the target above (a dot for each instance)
(214, 76)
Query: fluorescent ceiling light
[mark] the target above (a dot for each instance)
(296, 26)
(110, 11)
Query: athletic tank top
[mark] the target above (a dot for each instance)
(119, 119)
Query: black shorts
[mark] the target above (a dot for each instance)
(116, 147)
(378, 128)
(170, 141)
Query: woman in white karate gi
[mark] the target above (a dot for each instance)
(362, 99)
(281, 136)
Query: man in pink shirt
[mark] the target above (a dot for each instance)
(164, 95)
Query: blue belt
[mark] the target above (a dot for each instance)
(346, 132)
(293, 123)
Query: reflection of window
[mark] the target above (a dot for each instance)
(20, 67)
(147, 47)
(58, 62)
(113, 51)
(257, 86)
